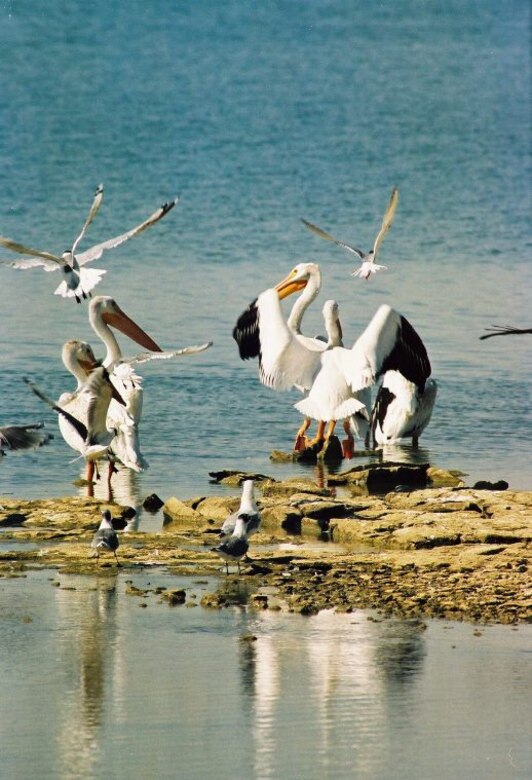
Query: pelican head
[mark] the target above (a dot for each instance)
(298, 278)
(79, 352)
(104, 310)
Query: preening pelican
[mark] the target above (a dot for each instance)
(504, 330)
(105, 314)
(402, 409)
(78, 281)
(389, 343)
(86, 413)
(23, 437)
(369, 266)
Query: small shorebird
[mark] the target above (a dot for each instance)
(247, 507)
(23, 437)
(78, 281)
(105, 537)
(236, 546)
(369, 266)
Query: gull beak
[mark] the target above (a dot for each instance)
(290, 285)
(119, 320)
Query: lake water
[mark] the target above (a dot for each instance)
(94, 685)
(258, 115)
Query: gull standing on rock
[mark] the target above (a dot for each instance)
(78, 281)
(236, 546)
(105, 537)
(369, 266)
(247, 507)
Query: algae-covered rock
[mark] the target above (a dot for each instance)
(176, 512)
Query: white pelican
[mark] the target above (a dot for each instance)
(247, 507)
(389, 343)
(504, 330)
(104, 314)
(105, 537)
(402, 409)
(23, 437)
(287, 358)
(78, 281)
(86, 413)
(369, 266)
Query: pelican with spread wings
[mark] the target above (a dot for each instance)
(369, 265)
(78, 281)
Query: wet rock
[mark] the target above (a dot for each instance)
(12, 520)
(484, 485)
(175, 597)
(152, 503)
(235, 478)
(218, 507)
(176, 512)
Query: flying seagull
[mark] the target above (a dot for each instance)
(369, 266)
(504, 330)
(78, 281)
(22, 437)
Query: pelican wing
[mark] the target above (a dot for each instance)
(145, 357)
(327, 236)
(246, 332)
(388, 343)
(96, 203)
(49, 261)
(284, 361)
(97, 250)
(387, 220)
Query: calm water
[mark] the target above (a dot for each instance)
(257, 115)
(104, 688)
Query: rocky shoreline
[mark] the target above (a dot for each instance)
(409, 541)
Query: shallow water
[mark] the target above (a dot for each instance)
(104, 687)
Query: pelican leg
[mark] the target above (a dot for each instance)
(90, 471)
(319, 437)
(348, 445)
(300, 436)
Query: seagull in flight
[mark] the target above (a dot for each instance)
(78, 281)
(369, 266)
(23, 437)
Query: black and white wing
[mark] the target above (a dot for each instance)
(23, 437)
(97, 250)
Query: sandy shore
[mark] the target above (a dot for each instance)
(439, 550)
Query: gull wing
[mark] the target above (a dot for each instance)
(79, 426)
(145, 357)
(23, 437)
(51, 262)
(327, 236)
(387, 220)
(96, 203)
(97, 250)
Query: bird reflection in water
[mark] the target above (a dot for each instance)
(348, 668)
(89, 657)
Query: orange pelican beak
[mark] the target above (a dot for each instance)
(125, 325)
(290, 285)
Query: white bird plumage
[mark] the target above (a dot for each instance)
(248, 507)
(78, 281)
(369, 265)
